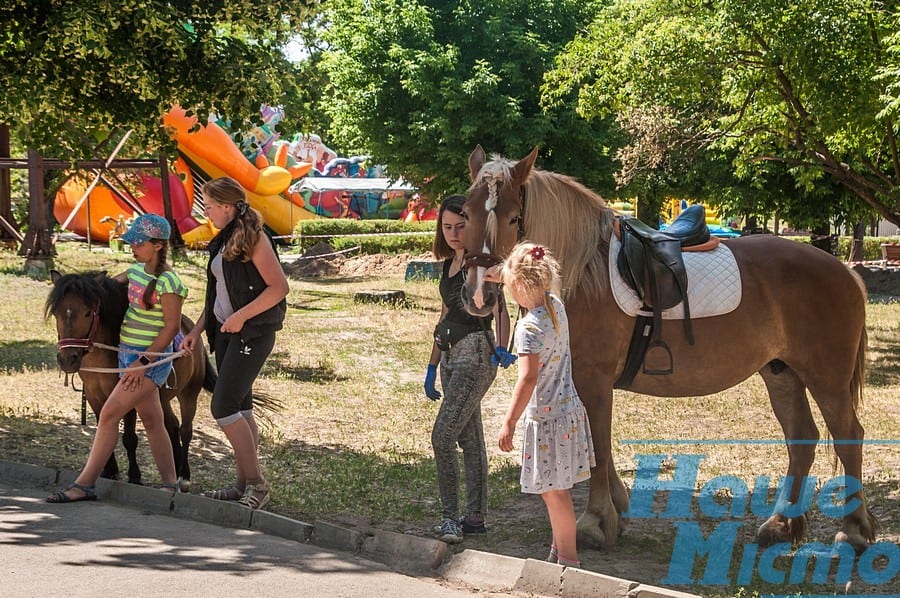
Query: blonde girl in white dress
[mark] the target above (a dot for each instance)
(557, 450)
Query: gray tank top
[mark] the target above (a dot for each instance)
(222, 308)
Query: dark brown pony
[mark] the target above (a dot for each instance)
(801, 325)
(89, 308)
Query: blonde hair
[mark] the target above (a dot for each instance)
(531, 267)
(247, 221)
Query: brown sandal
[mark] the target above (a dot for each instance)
(230, 493)
(60, 496)
(255, 495)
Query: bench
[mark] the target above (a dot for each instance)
(890, 253)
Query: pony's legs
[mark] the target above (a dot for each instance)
(111, 467)
(839, 414)
(188, 411)
(150, 409)
(120, 402)
(170, 422)
(130, 441)
(599, 525)
(787, 394)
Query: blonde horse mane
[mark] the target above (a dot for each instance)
(561, 213)
(576, 224)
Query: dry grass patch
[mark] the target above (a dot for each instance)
(353, 444)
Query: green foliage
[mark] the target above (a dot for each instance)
(76, 72)
(341, 233)
(753, 82)
(418, 83)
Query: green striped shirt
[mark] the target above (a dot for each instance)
(142, 323)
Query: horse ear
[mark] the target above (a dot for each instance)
(523, 167)
(476, 161)
(100, 276)
(55, 275)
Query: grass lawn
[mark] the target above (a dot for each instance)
(353, 444)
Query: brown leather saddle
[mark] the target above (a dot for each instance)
(651, 262)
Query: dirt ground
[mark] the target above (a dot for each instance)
(321, 260)
(880, 281)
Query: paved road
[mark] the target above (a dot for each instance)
(106, 549)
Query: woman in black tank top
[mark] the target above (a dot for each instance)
(468, 366)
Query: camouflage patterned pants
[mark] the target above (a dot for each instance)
(466, 374)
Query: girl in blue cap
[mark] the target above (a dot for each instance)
(153, 318)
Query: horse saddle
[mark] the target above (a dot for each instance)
(650, 262)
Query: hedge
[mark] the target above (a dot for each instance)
(341, 233)
(871, 246)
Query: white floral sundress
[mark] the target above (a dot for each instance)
(558, 450)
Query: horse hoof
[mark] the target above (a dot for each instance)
(591, 538)
(772, 532)
(184, 485)
(858, 543)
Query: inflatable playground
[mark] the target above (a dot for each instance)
(672, 208)
(286, 181)
(714, 221)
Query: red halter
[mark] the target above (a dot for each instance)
(83, 343)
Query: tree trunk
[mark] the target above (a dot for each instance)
(857, 247)
(821, 237)
(648, 206)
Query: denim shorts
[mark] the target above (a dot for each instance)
(159, 373)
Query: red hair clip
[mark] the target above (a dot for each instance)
(537, 252)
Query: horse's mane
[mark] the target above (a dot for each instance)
(576, 224)
(93, 288)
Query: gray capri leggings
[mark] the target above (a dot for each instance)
(238, 363)
(466, 375)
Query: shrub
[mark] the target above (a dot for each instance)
(372, 236)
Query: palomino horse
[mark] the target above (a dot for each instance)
(800, 324)
(89, 309)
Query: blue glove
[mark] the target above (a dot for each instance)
(430, 377)
(502, 357)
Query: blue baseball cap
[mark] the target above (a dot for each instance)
(146, 227)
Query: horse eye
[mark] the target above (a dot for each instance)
(514, 221)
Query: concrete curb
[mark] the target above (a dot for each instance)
(403, 552)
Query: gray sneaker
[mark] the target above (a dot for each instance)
(449, 531)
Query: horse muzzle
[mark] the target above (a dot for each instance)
(69, 360)
(480, 300)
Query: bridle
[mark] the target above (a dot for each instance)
(86, 343)
(486, 260)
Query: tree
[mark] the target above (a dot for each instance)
(74, 72)
(813, 84)
(418, 83)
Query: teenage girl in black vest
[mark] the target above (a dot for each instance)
(245, 306)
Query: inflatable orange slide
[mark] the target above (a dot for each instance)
(213, 151)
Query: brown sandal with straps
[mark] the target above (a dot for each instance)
(230, 493)
(255, 495)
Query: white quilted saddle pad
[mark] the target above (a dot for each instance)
(714, 284)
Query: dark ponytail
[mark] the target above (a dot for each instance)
(160, 268)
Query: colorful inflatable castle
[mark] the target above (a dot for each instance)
(272, 171)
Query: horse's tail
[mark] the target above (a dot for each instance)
(210, 377)
(858, 381)
(268, 406)
(267, 402)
